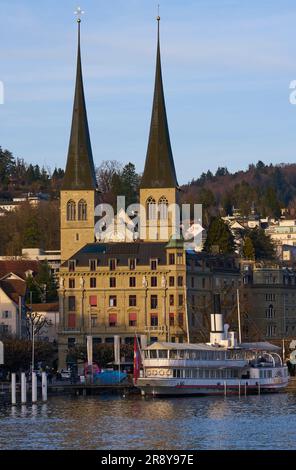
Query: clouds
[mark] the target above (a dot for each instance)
(223, 64)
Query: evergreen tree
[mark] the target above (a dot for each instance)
(219, 237)
(262, 243)
(248, 249)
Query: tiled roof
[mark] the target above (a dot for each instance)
(19, 267)
(14, 288)
(45, 307)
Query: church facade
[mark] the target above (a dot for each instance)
(149, 286)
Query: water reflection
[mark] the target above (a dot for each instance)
(110, 422)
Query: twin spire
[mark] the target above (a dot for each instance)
(159, 169)
(80, 170)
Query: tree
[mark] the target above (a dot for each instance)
(18, 353)
(6, 166)
(248, 249)
(43, 286)
(219, 237)
(262, 243)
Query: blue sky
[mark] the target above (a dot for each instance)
(227, 66)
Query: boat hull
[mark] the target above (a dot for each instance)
(161, 389)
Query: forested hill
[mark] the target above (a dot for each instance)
(269, 187)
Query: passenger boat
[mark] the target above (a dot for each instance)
(220, 367)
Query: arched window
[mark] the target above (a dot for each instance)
(151, 209)
(270, 311)
(82, 210)
(71, 210)
(163, 208)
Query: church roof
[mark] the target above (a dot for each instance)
(80, 170)
(159, 169)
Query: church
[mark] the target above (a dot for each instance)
(151, 285)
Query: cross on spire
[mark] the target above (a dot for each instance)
(79, 14)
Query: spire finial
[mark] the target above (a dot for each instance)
(79, 14)
(158, 17)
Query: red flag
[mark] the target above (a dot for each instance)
(136, 360)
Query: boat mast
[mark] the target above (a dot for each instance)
(239, 318)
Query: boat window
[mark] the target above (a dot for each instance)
(162, 354)
(146, 354)
(188, 374)
(181, 354)
(173, 354)
(153, 354)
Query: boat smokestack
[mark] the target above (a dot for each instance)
(217, 326)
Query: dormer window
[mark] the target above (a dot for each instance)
(112, 264)
(92, 264)
(72, 264)
(153, 264)
(132, 263)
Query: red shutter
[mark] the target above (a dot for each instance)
(113, 318)
(72, 320)
(132, 317)
(93, 300)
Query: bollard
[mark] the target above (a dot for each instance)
(34, 387)
(239, 386)
(13, 389)
(245, 389)
(44, 386)
(23, 388)
(225, 389)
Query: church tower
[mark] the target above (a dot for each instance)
(159, 187)
(79, 187)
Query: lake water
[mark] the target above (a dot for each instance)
(113, 422)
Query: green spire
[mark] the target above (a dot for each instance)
(159, 169)
(80, 170)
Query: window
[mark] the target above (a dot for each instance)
(132, 281)
(171, 281)
(153, 281)
(151, 209)
(112, 264)
(180, 300)
(93, 321)
(72, 320)
(163, 208)
(71, 210)
(82, 210)
(6, 314)
(179, 258)
(97, 341)
(93, 282)
(93, 300)
(203, 283)
(71, 303)
(132, 263)
(77, 237)
(154, 319)
(193, 300)
(172, 300)
(92, 264)
(172, 319)
(132, 319)
(171, 258)
(153, 301)
(71, 283)
(132, 301)
(192, 282)
(72, 265)
(180, 319)
(112, 282)
(71, 342)
(112, 319)
(269, 313)
(112, 300)
(180, 281)
(153, 264)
